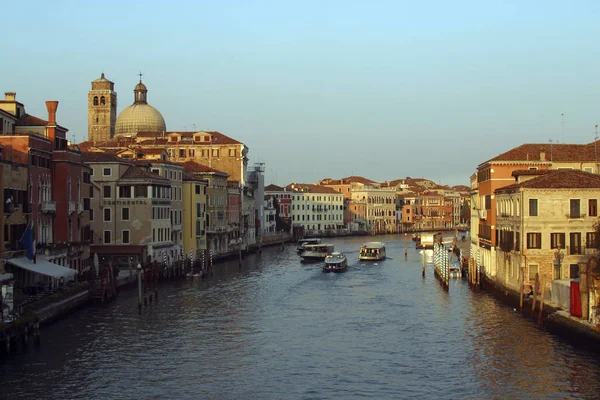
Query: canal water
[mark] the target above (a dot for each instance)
(281, 329)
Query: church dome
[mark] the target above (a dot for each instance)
(140, 116)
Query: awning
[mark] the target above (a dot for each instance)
(42, 267)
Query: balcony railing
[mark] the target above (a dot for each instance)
(72, 207)
(48, 206)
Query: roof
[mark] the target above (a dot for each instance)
(42, 267)
(30, 120)
(297, 187)
(134, 172)
(548, 152)
(358, 179)
(191, 178)
(195, 167)
(100, 157)
(558, 179)
(530, 172)
(273, 188)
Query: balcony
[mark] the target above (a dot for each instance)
(80, 208)
(48, 206)
(72, 207)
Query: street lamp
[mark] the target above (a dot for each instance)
(559, 255)
(139, 274)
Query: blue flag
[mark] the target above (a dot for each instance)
(27, 241)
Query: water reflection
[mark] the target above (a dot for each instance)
(280, 329)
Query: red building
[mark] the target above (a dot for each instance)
(56, 184)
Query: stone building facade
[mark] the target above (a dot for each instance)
(546, 225)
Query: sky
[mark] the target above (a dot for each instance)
(316, 89)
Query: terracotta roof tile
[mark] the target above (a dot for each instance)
(530, 172)
(101, 157)
(30, 120)
(134, 172)
(547, 152)
(297, 187)
(358, 179)
(273, 188)
(558, 179)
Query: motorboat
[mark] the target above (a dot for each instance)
(316, 252)
(303, 242)
(372, 251)
(335, 262)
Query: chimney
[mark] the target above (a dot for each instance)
(542, 155)
(10, 96)
(52, 105)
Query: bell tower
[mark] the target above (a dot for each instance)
(102, 110)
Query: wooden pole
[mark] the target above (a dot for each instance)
(584, 290)
(522, 277)
(541, 316)
(535, 292)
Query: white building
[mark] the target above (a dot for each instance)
(317, 209)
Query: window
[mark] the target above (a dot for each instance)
(231, 152)
(95, 100)
(556, 240)
(575, 243)
(141, 191)
(91, 214)
(155, 171)
(533, 207)
(590, 240)
(192, 152)
(534, 269)
(573, 271)
(575, 208)
(106, 171)
(125, 237)
(198, 212)
(102, 101)
(197, 189)
(125, 192)
(534, 240)
(592, 208)
(125, 213)
(182, 153)
(107, 214)
(106, 191)
(215, 152)
(107, 237)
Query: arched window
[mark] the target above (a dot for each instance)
(102, 101)
(95, 100)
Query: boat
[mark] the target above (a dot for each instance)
(372, 251)
(335, 262)
(426, 241)
(303, 242)
(454, 270)
(316, 252)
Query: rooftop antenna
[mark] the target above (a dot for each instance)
(550, 140)
(596, 144)
(562, 117)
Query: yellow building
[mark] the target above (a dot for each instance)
(194, 213)
(217, 225)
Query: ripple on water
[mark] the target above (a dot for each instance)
(279, 329)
